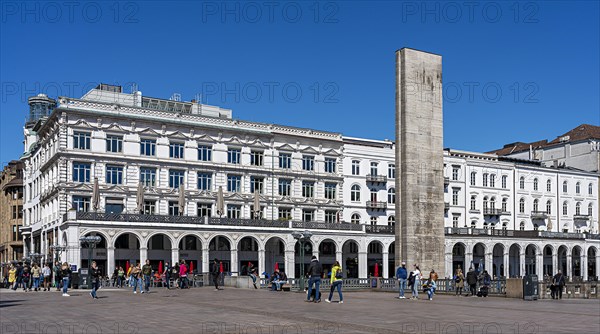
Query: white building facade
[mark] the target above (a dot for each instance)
(501, 213)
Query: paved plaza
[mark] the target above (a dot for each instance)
(203, 310)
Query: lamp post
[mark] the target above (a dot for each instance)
(91, 242)
(302, 237)
(57, 249)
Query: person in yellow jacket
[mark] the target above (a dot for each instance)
(12, 275)
(337, 276)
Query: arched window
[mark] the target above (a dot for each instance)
(473, 224)
(522, 182)
(392, 195)
(549, 185)
(473, 178)
(565, 187)
(504, 226)
(485, 179)
(522, 205)
(578, 208)
(493, 203)
(590, 209)
(485, 203)
(355, 219)
(492, 180)
(522, 226)
(590, 189)
(536, 205)
(549, 207)
(473, 202)
(535, 184)
(565, 208)
(577, 188)
(535, 227)
(373, 220)
(505, 205)
(355, 193)
(391, 221)
(504, 178)
(485, 225)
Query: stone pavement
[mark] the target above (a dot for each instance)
(203, 310)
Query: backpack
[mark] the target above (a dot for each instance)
(339, 274)
(457, 279)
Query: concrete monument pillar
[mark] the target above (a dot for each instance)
(290, 263)
(385, 265)
(419, 157)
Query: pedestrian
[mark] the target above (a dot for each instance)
(12, 276)
(136, 278)
(46, 272)
(486, 282)
(95, 275)
(216, 273)
(36, 273)
(147, 273)
(401, 276)
(65, 274)
(120, 277)
(433, 275)
(336, 280)
(130, 278)
(416, 274)
(167, 273)
(252, 272)
(315, 271)
(559, 284)
(26, 276)
(459, 281)
(115, 277)
(274, 280)
(56, 275)
(472, 281)
(430, 287)
(183, 271)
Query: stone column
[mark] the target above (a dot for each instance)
(234, 262)
(339, 258)
(385, 265)
(522, 264)
(597, 273)
(174, 255)
(569, 272)
(143, 255)
(363, 269)
(488, 263)
(539, 266)
(554, 263)
(110, 260)
(205, 260)
(290, 263)
(584, 267)
(506, 262)
(449, 272)
(261, 260)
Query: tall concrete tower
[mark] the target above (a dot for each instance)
(419, 156)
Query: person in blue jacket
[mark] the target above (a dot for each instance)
(401, 275)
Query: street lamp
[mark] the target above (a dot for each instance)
(302, 237)
(57, 249)
(91, 242)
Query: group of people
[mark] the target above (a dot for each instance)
(471, 281)
(315, 274)
(415, 281)
(33, 277)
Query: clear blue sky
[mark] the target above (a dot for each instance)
(543, 59)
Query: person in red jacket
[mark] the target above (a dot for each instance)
(183, 270)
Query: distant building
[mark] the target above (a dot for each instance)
(11, 213)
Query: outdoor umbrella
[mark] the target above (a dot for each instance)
(181, 199)
(160, 268)
(139, 198)
(256, 204)
(126, 267)
(221, 267)
(220, 202)
(376, 269)
(191, 267)
(96, 195)
(276, 266)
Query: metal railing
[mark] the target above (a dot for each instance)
(491, 212)
(445, 286)
(376, 205)
(519, 234)
(248, 222)
(376, 178)
(379, 229)
(327, 226)
(539, 215)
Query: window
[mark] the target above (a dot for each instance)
(355, 167)
(114, 144)
(204, 210)
(285, 186)
(173, 208)
(590, 189)
(15, 233)
(522, 182)
(536, 204)
(473, 178)
(373, 220)
(485, 179)
(256, 158)
(355, 193)
(176, 150)
(473, 202)
(522, 226)
(549, 207)
(374, 168)
(577, 188)
(522, 205)
(549, 185)
(565, 187)
(391, 171)
(204, 181)
(81, 140)
(391, 221)
(373, 195)
(330, 216)
(565, 208)
(204, 153)
(355, 218)
(308, 215)
(234, 156)
(473, 224)
(485, 203)
(234, 183)
(17, 212)
(81, 203)
(485, 225)
(455, 219)
(308, 162)
(308, 189)
(148, 176)
(285, 160)
(535, 184)
(257, 184)
(504, 178)
(175, 178)
(81, 171)
(149, 207)
(504, 226)
(392, 196)
(493, 180)
(504, 205)
(455, 173)
(330, 165)
(590, 209)
(114, 174)
(578, 209)
(330, 190)
(148, 147)
(234, 211)
(285, 213)
(455, 196)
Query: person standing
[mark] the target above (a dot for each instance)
(65, 274)
(167, 273)
(120, 277)
(95, 275)
(183, 271)
(401, 275)
(147, 273)
(472, 281)
(337, 279)
(559, 284)
(26, 277)
(252, 273)
(56, 273)
(12, 277)
(136, 278)
(459, 281)
(215, 272)
(46, 272)
(36, 272)
(315, 271)
(416, 273)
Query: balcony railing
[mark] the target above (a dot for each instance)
(379, 229)
(491, 212)
(327, 226)
(581, 217)
(518, 234)
(376, 205)
(539, 215)
(249, 222)
(376, 178)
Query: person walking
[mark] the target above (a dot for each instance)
(56, 275)
(36, 273)
(559, 284)
(65, 274)
(472, 281)
(147, 273)
(336, 280)
(95, 275)
(401, 276)
(26, 277)
(46, 272)
(12, 277)
(416, 273)
(167, 273)
(215, 272)
(136, 278)
(183, 271)
(315, 271)
(459, 281)
(120, 277)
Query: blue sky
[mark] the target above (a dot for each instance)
(512, 71)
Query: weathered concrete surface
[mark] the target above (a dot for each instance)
(419, 155)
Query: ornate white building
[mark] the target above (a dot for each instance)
(511, 216)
